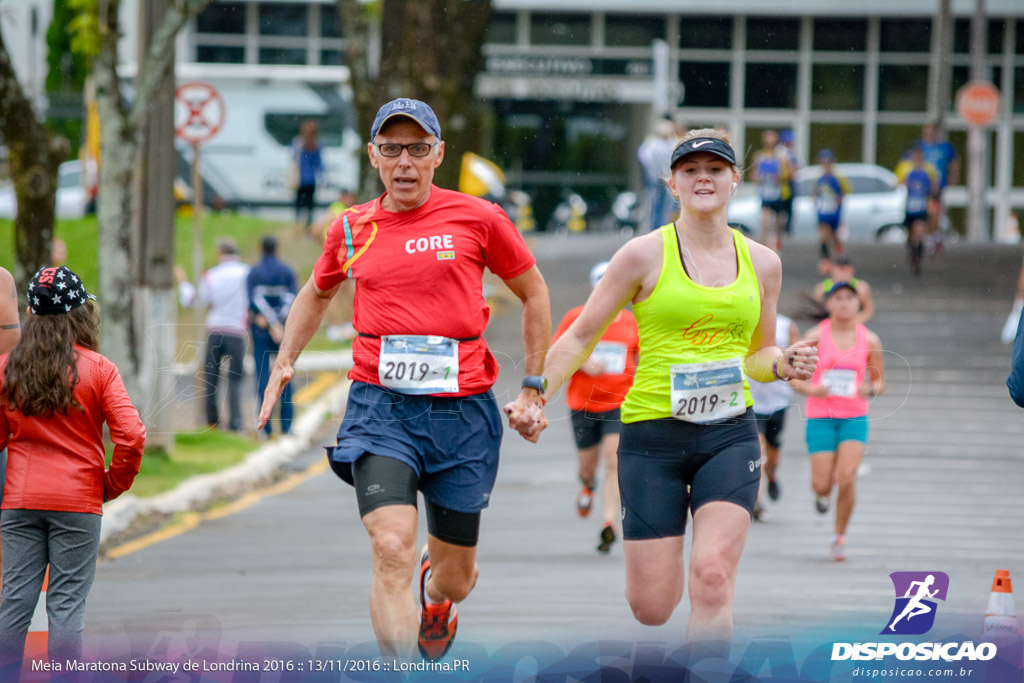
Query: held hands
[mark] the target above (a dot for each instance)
(799, 360)
(279, 377)
(525, 415)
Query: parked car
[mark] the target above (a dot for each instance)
(872, 211)
(72, 197)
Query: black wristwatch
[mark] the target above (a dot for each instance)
(538, 382)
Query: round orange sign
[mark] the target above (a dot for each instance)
(978, 103)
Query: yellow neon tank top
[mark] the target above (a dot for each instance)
(684, 322)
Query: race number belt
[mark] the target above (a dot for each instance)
(704, 392)
(840, 382)
(419, 364)
(612, 355)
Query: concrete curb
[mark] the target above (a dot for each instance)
(257, 467)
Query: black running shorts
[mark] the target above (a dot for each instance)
(771, 426)
(589, 428)
(668, 467)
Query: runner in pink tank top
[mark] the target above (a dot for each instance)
(849, 372)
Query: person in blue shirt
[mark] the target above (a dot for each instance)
(306, 150)
(942, 155)
(1015, 382)
(829, 191)
(922, 183)
(271, 288)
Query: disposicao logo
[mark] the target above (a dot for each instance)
(914, 614)
(916, 592)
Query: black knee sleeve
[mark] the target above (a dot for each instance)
(451, 526)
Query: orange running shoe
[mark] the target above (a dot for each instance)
(437, 622)
(584, 500)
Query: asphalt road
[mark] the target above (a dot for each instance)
(940, 490)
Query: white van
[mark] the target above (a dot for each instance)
(245, 165)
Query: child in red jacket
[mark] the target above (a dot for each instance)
(56, 392)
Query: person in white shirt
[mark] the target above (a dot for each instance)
(223, 290)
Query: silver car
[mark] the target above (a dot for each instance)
(872, 211)
(72, 197)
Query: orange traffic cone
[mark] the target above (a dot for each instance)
(37, 639)
(1001, 625)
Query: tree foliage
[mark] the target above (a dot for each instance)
(431, 51)
(35, 156)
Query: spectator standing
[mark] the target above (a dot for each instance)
(56, 393)
(654, 155)
(271, 288)
(223, 289)
(309, 167)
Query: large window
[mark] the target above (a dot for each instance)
(773, 34)
(283, 127)
(559, 29)
(906, 35)
(902, 87)
(220, 54)
(770, 86)
(705, 84)
(280, 19)
(502, 30)
(840, 35)
(281, 55)
(631, 30)
(1018, 96)
(844, 139)
(222, 17)
(330, 23)
(994, 36)
(705, 33)
(837, 87)
(893, 143)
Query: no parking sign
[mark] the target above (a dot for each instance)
(199, 112)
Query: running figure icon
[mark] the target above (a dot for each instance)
(915, 607)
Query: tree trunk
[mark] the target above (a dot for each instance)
(430, 51)
(120, 137)
(34, 162)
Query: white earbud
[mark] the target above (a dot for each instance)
(734, 186)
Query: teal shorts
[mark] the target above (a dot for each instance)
(826, 433)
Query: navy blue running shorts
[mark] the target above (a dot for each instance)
(589, 428)
(668, 467)
(451, 443)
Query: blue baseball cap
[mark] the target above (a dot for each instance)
(787, 136)
(420, 112)
(826, 154)
(842, 285)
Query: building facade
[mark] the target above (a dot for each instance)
(574, 91)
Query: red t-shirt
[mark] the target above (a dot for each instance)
(618, 350)
(420, 272)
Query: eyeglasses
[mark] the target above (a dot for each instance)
(416, 149)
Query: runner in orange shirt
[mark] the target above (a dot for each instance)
(594, 395)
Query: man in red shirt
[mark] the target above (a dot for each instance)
(420, 414)
(595, 393)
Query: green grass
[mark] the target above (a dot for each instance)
(82, 238)
(194, 453)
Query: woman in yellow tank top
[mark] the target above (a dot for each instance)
(704, 297)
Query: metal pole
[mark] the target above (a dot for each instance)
(197, 227)
(977, 223)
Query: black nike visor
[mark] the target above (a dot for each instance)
(719, 148)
